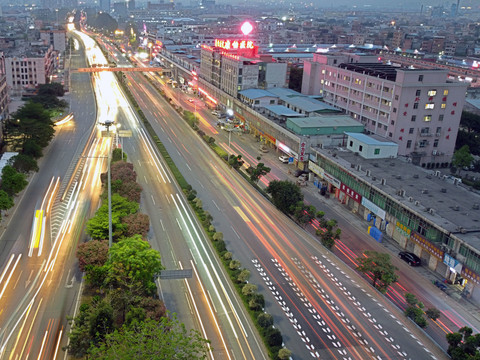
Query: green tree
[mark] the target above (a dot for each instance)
(329, 233)
(257, 172)
(30, 148)
(462, 158)
(101, 321)
(55, 89)
(265, 320)
(117, 155)
(284, 354)
(93, 252)
(463, 345)
(164, 339)
(243, 276)
(30, 122)
(12, 181)
(381, 268)
(249, 289)
(433, 313)
(132, 261)
(49, 101)
(24, 163)
(236, 161)
(303, 213)
(234, 264)
(97, 226)
(284, 193)
(80, 339)
(6, 202)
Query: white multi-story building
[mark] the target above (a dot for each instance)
(231, 72)
(57, 38)
(419, 110)
(31, 68)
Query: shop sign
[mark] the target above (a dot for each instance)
(332, 180)
(403, 229)
(315, 168)
(234, 44)
(301, 151)
(351, 193)
(452, 263)
(470, 275)
(427, 245)
(373, 208)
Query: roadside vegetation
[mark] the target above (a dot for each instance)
(120, 312)
(28, 131)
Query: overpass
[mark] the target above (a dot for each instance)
(122, 69)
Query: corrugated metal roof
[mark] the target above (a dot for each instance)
(256, 93)
(281, 110)
(369, 140)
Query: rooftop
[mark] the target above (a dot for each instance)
(256, 93)
(386, 72)
(369, 140)
(325, 121)
(281, 110)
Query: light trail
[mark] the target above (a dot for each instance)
(10, 275)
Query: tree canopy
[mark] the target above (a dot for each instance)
(131, 261)
(284, 194)
(93, 252)
(463, 345)
(12, 181)
(30, 122)
(381, 268)
(462, 157)
(164, 339)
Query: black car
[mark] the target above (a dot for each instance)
(410, 258)
(299, 172)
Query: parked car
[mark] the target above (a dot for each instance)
(283, 159)
(410, 258)
(299, 172)
(190, 100)
(263, 149)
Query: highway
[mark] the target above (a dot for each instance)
(323, 308)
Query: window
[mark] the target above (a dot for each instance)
(392, 122)
(445, 92)
(409, 144)
(360, 148)
(376, 151)
(444, 106)
(272, 102)
(440, 117)
(425, 130)
(418, 92)
(435, 143)
(432, 92)
(323, 71)
(415, 105)
(386, 89)
(390, 134)
(351, 143)
(411, 130)
(414, 117)
(427, 118)
(420, 77)
(396, 97)
(257, 102)
(423, 143)
(429, 106)
(384, 127)
(439, 130)
(394, 109)
(374, 123)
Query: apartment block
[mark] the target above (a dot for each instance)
(418, 109)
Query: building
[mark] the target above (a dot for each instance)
(234, 65)
(30, 68)
(57, 38)
(3, 96)
(418, 109)
(370, 148)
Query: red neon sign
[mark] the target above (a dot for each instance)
(234, 44)
(207, 95)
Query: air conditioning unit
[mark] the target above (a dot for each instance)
(383, 181)
(359, 167)
(374, 178)
(417, 203)
(368, 173)
(410, 199)
(431, 211)
(434, 152)
(437, 173)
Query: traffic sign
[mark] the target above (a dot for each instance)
(125, 133)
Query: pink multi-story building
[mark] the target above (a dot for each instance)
(418, 109)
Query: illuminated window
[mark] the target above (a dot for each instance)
(427, 118)
(429, 106)
(445, 92)
(323, 72)
(432, 92)
(444, 106)
(321, 81)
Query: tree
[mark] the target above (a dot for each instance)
(30, 122)
(103, 21)
(303, 213)
(6, 202)
(137, 223)
(284, 193)
(164, 339)
(30, 148)
(329, 233)
(12, 181)
(130, 190)
(234, 264)
(462, 158)
(101, 321)
(284, 354)
(249, 289)
(257, 172)
(236, 162)
(415, 310)
(379, 264)
(97, 226)
(470, 121)
(117, 154)
(433, 313)
(49, 101)
(24, 163)
(243, 276)
(54, 88)
(132, 261)
(265, 320)
(274, 337)
(93, 252)
(80, 338)
(463, 345)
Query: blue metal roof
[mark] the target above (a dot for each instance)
(281, 110)
(369, 140)
(256, 93)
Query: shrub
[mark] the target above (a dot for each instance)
(265, 320)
